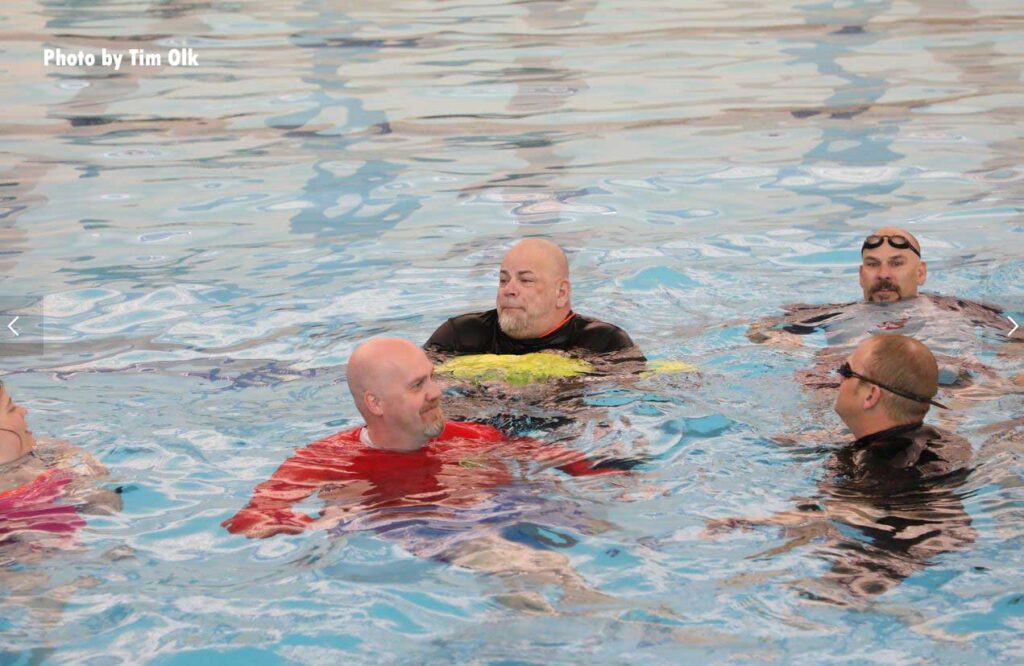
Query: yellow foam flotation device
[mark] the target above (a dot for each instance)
(665, 366)
(538, 367)
(514, 369)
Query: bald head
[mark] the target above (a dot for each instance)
(534, 292)
(376, 363)
(891, 268)
(392, 384)
(542, 254)
(897, 231)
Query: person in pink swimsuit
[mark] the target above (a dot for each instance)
(43, 490)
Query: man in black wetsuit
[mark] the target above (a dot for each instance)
(887, 386)
(891, 271)
(893, 487)
(534, 312)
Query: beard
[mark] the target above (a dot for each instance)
(883, 285)
(433, 425)
(513, 323)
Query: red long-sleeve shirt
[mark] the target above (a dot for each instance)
(451, 470)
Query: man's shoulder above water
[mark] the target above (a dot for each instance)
(982, 314)
(804, 318)
(470, 333)
(952, 303)
(479, 333)
(470, 430)
(912, 452)
(453, 430)
(600, 336)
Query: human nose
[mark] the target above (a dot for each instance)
(433, 390)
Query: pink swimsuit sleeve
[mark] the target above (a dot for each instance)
(35, 506)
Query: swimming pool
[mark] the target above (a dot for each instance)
(200, 248)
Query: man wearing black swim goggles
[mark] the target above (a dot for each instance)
(846, 372)
(891, 268)
(888, 381)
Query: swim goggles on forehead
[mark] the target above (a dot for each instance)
(845, 371)
(897, 241)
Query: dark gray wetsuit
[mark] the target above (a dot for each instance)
(896, 491)
(479, 333)
(900, 456)
(933, 319)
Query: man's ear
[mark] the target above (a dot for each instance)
(564, 293)
(922, 272)
(373, 403)
(874, 394)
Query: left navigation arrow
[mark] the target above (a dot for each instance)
(11, 326)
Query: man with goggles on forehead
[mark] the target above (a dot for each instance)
(891, 268)
(891, 271)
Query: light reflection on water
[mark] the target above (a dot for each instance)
(208, 245)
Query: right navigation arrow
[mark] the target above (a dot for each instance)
(1015, 326)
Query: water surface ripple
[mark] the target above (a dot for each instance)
(203, 247)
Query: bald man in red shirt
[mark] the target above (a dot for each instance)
(410, 462)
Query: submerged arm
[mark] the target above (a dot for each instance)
(269, 512)
(575, 463)
(787, 329)
(807, 512)
(84, 491)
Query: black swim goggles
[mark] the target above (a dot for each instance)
(897, 241)
(845, 371)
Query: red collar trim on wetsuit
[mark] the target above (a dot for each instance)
(559, 325)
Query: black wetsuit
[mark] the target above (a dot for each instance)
(901, 457)
(896, 493)
(479, 333)
(802, 319)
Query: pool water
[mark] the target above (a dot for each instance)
(195, 251)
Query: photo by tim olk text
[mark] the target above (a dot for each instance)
(184, 57)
